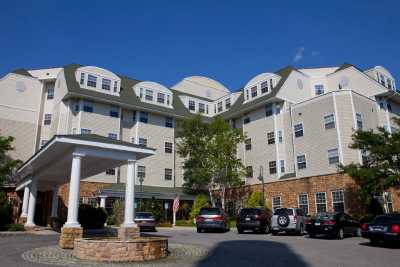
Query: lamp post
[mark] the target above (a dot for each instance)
(261, 178)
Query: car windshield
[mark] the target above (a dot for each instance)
(325, 216)
(144, 215)
(210, 211)
(250, 212)
(283, 212)
(387, 219)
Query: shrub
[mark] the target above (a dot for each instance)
(184, 223)
(201, 201)
(255, 200)
(117, 214)
(91, 217)
(15, 227)
(5, 211)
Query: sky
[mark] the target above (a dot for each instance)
(229, 41)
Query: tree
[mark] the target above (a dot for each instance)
(7, 164)
(255, 200)
(200, 201)
(210, 158)
(381, 167)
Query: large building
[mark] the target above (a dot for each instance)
(298, 122)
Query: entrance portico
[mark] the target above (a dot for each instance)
(70, 158)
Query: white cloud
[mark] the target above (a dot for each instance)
(299, 54)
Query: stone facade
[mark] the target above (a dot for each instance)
(68, 236)
(127, 233)
(115, 250)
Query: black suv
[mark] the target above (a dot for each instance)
(255, 219)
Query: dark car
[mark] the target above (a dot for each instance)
(255, 219)
(333, 225)
(212, 219)
(145, 221)
(384, 228)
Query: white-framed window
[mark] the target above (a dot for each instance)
(110, 171)
(113, 136)
(106, 84)
(249, 172)
(114, 112)
(141, 172)
(148, 95)
(168, 174)
(201, 108)
(88, 106)
(141, 93)
(319, 89)
(192, 105)
(280, 136)
(264, 87)
(247, 144)
(169, 122)
(227, 103)
(82, 80)
(247, 94)
(50, 93)
(298, 130)
(303, 202)
(338, 200)
(301, 162)
(320, 202)
(47, 119)
(86, 131)
(359, 121)
(161, 98)
(269, 111)
(92, 81)
(333, 156)
(206, 109)
(271, 138)
(168, 147)
(133, 140)
(389, 202)
(253, 91)
(168, 100)
(115, 86)
(276, 203)
(329, 121)
(144, 117)
(282, 166)
(272, 167)
(142, 141)
(219, 105)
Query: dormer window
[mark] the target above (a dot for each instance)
(141, 93)
(149, 95)
(219, 106)
(383, 80)
(106, 84)
(319, 89)
(227, 103)
(92, 81)
(389, 84)
(161, 98)
(201, 108)
(253, 91)
(247, 94)
(82, 80)
(264, 87)
(115, 86)
(168, 101)
(192, 105)
(271, 84)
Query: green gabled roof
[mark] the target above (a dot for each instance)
(22, 72)
(126, 98)
(238, 106)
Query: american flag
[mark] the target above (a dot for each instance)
(175, 206)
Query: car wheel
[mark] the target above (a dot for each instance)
(340, 234)
(374, 241)
(358, 232)
(240, 230)
(273, 232)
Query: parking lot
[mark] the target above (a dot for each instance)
(232, 249)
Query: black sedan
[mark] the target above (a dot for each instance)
(333, 225)
(384, 228)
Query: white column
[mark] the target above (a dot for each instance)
(32, 204)
(73, 198)
(130, 195)
(25, 202)
(103, 201)
(54, 203)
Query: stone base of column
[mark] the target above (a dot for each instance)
(68, 235)
(30, 228)
(126, 233)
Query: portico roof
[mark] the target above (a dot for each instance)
(51, 165)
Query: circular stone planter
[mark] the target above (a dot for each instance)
(116, 250)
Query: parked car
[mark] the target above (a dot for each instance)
(255, 219)
(212, 219)
(145, 221)
(288, 220)
(384, 228)
(334, 224)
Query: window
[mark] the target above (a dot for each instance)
(333, 156)
(110, 171)
(280, 136)
(249, 171)
(82, 81)
(227, 103)
(272, 167)
(192, 105)
(133, 140)
(268, 110)
(86, 131)
(271, 138)
(88, 106)
(142, 142)
(277, 109)
(264, 87)
(50, 93)
(298, 130)
(247, 94)
(92, 81)
(329, 121)
(134, 115)
(338, 200)
(383, 80)
(364, 157)
(271, 84)
(247, 143)
(389, 107)
(113, 136)
(161, 98)
(303, 203)
(148, 95)
(320, 202)
(144, 117)
(359, 121)
(253, 91)
(114, 112)
(115, 86)
(219, 106)
(168, 122)
(246, 120)
(207, 109)
(389, 202)
(276, 203)
(76, 107)
(47, 119)
(168, 102)
(106, 84)
(141, 172)
(282, 165)
(168, 147)
(301, 162)
(201, 108)
(168, 174)
(141, 93)
(319, 89)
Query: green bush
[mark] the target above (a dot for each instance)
(184, 223)
(255, 200)
(5, 211)
(201, 201)
(91, 217)
(15, 227)
(117, 214)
